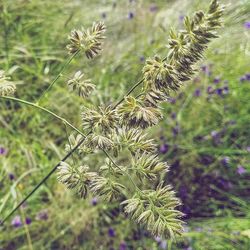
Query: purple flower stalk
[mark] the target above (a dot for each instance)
(123, 246)
(176, 130)
(42, 215)
(241, 170)
(94, 201)
(216, 80)
(197, 92)
(243, 79)
(28, 221)
(173, 115)
(11, 176)
(219, 91)
(164, 148)
(3, 151)
(16, 222)
(247, 24)
(210, 90)
(247, 76)
(225, 161)
(130, 15)
(142, 58)
(111, 232)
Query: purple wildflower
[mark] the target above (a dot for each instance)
(172, 100)
(11, 176)
(197, 92)
(173, 115)
(142, 58)
(111, 232)
(206, 70)
(243, 79)
(248, 149)
(216, 80)
(94, 201)
(216, 137)
(226, 90)
(241, 170)
(219, 91)
(3, 151)
(164, 148)
(123, 246)
(206, 160)
(104, 15)
(247, 76)
(247, 24)
(210, 90)
(130, 15)
(176, 130)
(16, 222)
(42, 215)
(28, 221)
(153, 8)
(225, 161)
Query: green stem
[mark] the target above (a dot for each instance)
(114, 163)
(43, 109)
(129, 92)
(59, 75)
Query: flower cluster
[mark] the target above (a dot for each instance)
(83, 87)
(156, 210)
(119, 129)
(89, 41)
(6, 86)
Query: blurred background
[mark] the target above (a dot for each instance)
(204, 136)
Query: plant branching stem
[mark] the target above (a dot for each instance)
(65, 122)
(59, 75)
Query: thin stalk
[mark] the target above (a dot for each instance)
(26, 229)
(129, 92)
(42, 181)
(114, 163)
(59, 75)
(43, 109)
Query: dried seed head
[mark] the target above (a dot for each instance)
(89, 41)
(135, 114)
(104, 119)
(134, 140)
(77, 178)
(83, 87)
(106, 188)
(6, 86)
(148, 166)
(159, 75)
(156, 209)
(73, 141)
(98, 141)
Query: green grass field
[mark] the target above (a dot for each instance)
(204, 134)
